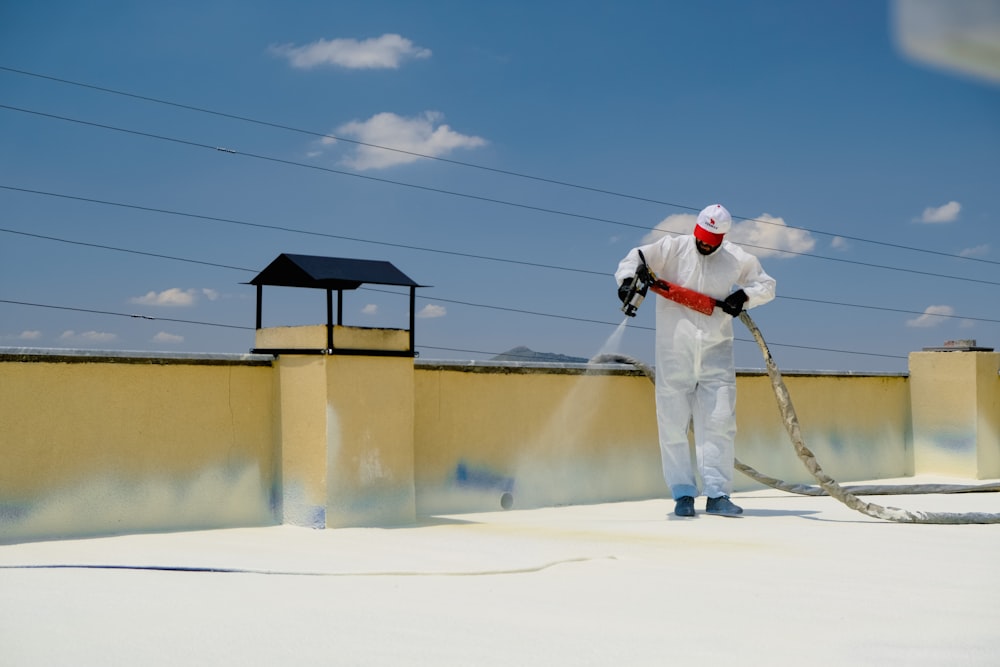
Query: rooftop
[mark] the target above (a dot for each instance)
(797, 578)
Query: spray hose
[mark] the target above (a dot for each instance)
(827, 485)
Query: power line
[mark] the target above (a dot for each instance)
(884, 309)
(780, 296)
(472, 165)
(742, 340)
(238, 268)
(487, 199)
(464, 303)
(437, 299)
(125, 250)
(234, 326)
(876, 266)
(325, 135)
(293, 230)
(509, 310)
(437, 190)
(305, 165)
(130, 315)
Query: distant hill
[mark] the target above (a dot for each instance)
(522, 353)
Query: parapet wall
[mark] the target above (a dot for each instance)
(559, 434)
(102, 443)
(99, 443)
(545, 434)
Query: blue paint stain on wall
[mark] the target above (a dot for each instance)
(317, 518)
(13, 512)
(482, 478)
(958, 443)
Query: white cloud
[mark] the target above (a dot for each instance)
(680, 223)
(174, 297)
(839, 243)
(169, 338)
(770, 236)
(933, 316)
(947, 213)
(24, 335)
(764, 236)
(432, 310)
(88, 336)
(422, 135)
(369, 309)
(977, 251)
(385, 52)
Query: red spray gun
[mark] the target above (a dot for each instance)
(645, 280)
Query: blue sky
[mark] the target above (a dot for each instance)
(534, 146)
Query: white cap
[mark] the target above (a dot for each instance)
(713, 222)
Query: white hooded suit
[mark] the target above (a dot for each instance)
(695, 375)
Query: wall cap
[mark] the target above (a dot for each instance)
(510, 367)
(67, 355)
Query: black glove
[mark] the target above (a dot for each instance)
(644, 274)
(733, 305)
(623, 289)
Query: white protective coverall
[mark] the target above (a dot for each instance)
(695, 375)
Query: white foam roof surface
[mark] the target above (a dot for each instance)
(797, 580)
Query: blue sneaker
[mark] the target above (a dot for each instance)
(684, 506)
(723, 506)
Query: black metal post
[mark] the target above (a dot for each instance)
(329, 319)
(260, 302)
(413, 316)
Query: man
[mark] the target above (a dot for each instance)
(695, 375)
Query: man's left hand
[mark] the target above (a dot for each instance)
(733, 304)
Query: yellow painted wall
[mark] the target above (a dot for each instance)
(988, 416)
(369, 454)
(108, 445)
(956, 406)
(545, 437)
(100, 445)
(857, 426)
(314, 337)
(345, 424)
(579, 437)
(301, 424)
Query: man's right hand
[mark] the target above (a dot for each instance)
(623, 289)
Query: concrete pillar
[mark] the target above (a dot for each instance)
(955, 407)
(346, 427)
(302, 437)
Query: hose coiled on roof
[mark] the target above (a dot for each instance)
(828, 485)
